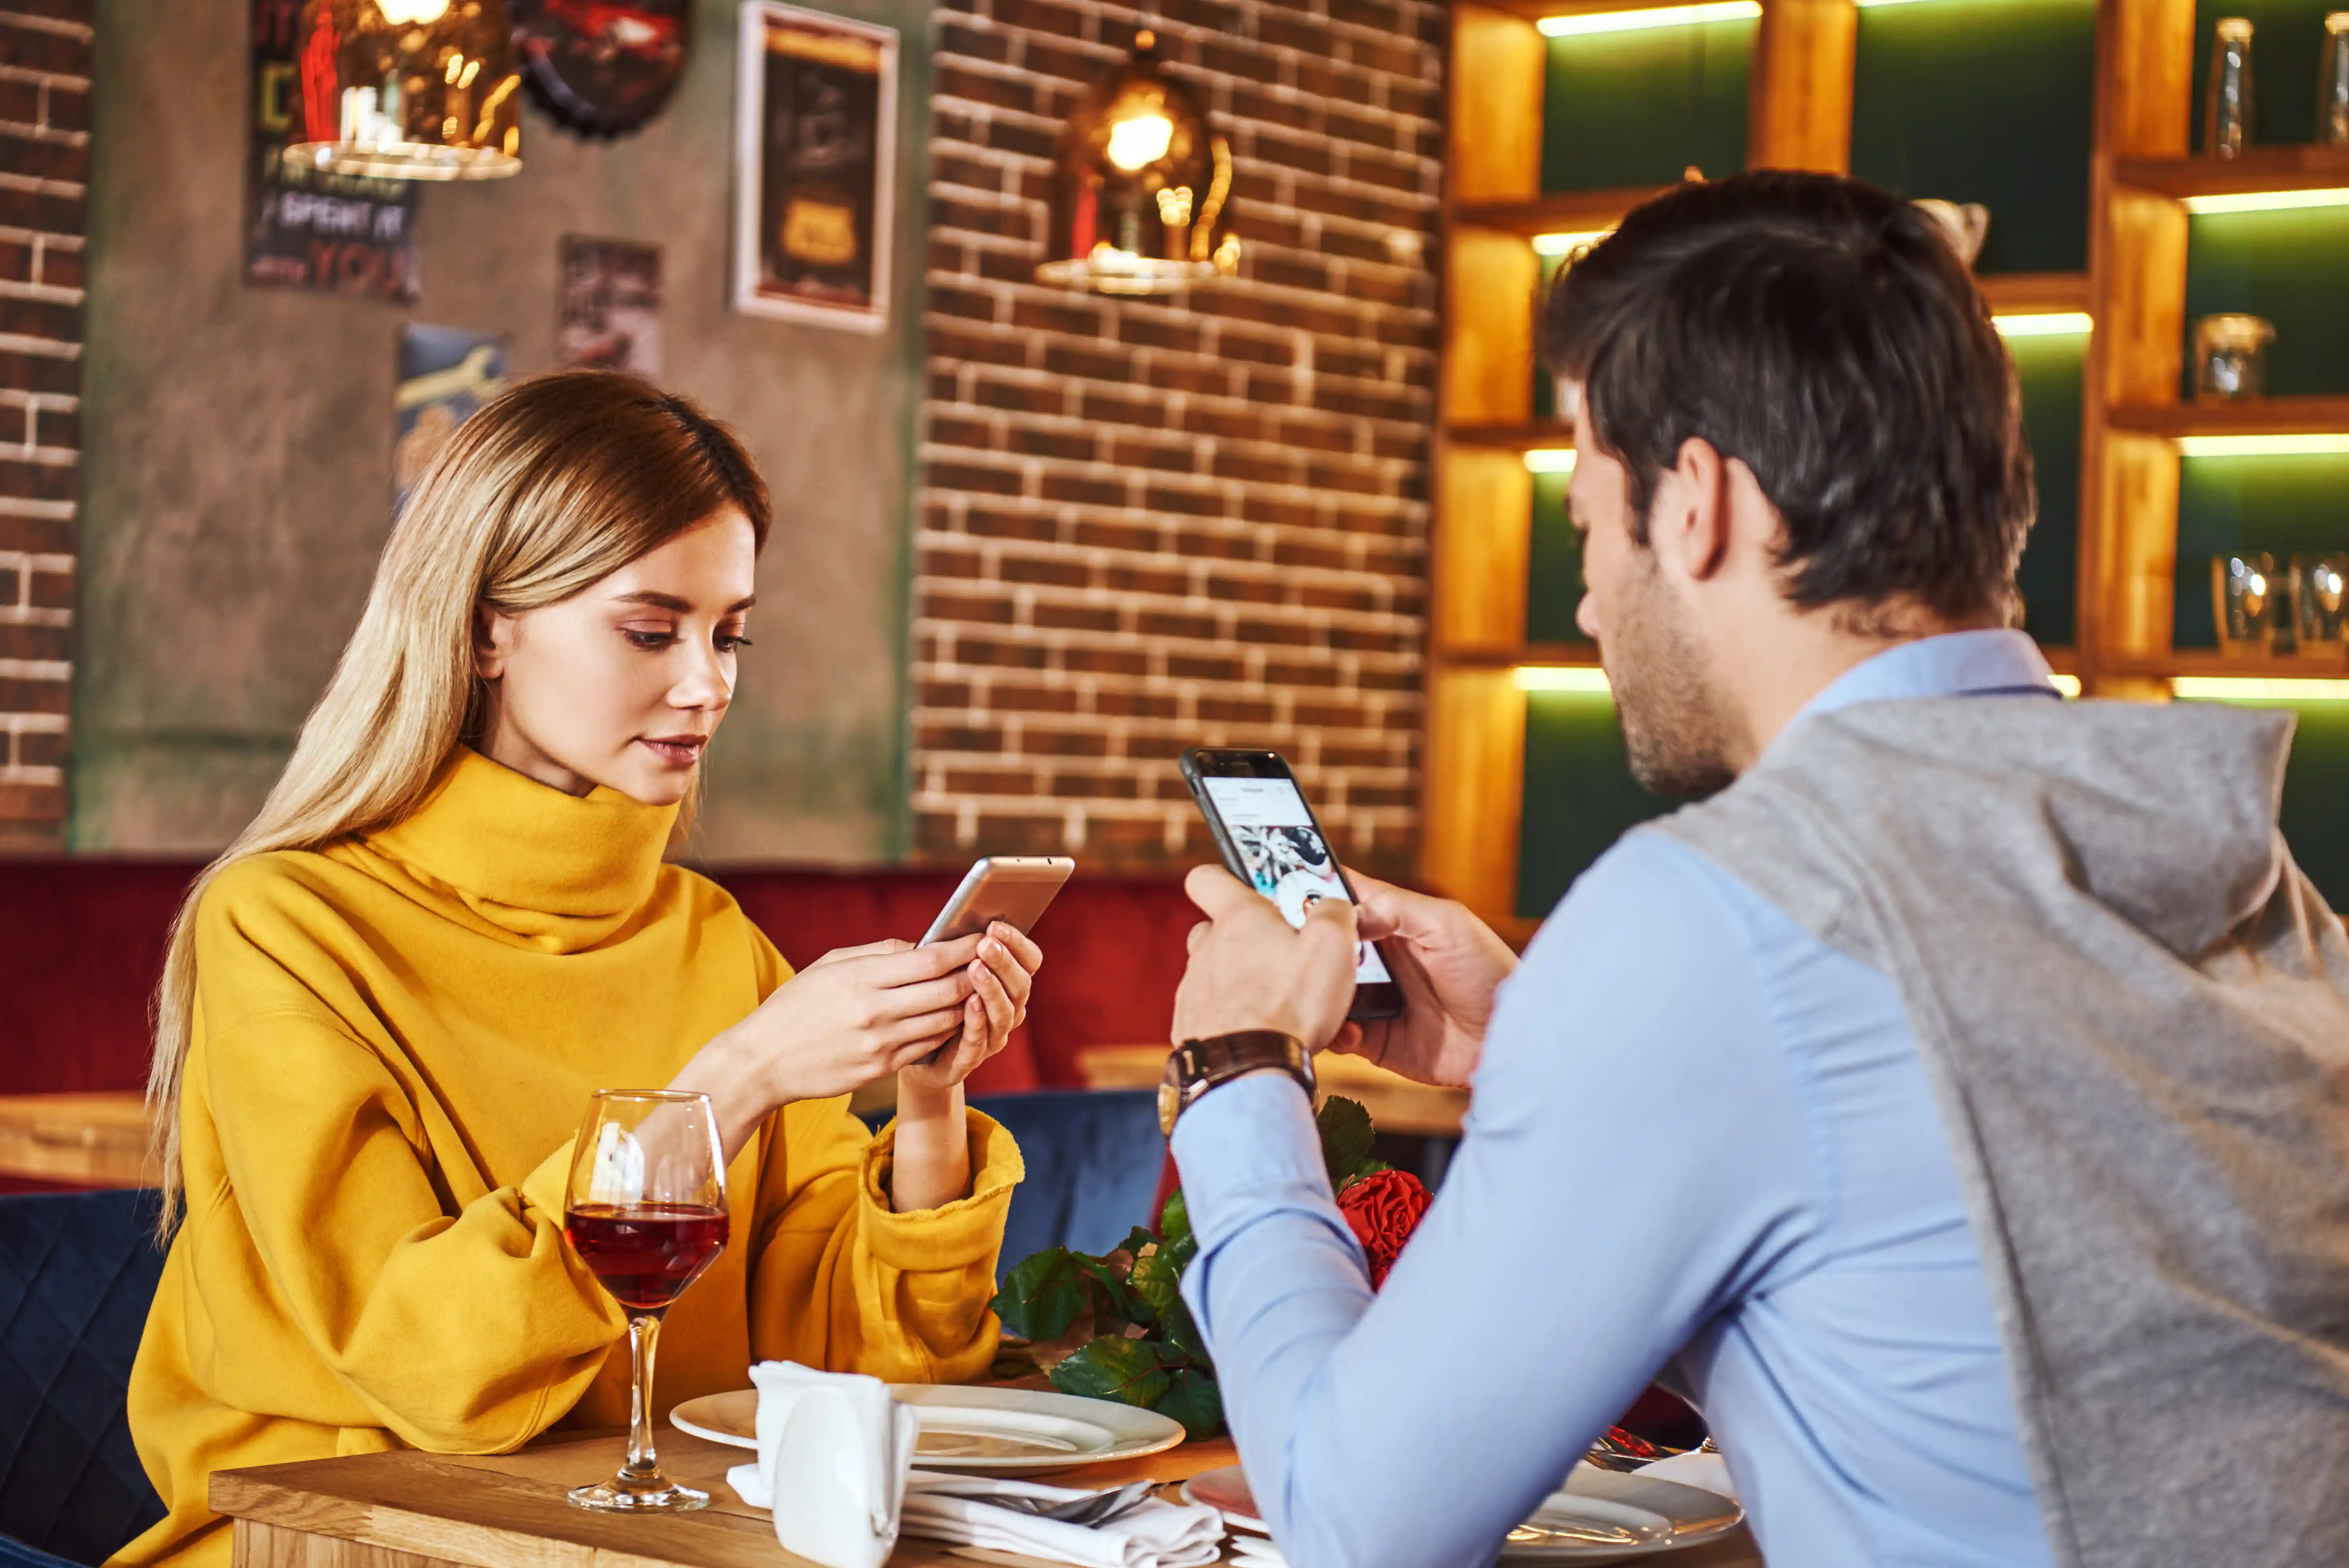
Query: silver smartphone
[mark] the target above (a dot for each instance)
(1013, 888)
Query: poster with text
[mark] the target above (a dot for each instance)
(306, 229)
(815, 128)
(609, 318)
(446, 374)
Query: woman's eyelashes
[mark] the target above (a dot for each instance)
(726, 640)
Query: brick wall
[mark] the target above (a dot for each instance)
(1147, 524)
(45, 66)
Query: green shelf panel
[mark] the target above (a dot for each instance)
(2052, 373)
(2291, 267)
(1638, 108)
(1553, 566)
(1579, 793)
(2315, 784)
(2287, 51)
(2228, 504)
(1989, 101)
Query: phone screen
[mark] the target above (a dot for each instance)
(1285, 855)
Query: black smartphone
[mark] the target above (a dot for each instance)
(1270, 841)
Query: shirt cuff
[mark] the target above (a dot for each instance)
(953, 1235)
(1243, 1142)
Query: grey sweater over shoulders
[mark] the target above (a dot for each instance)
(2134, 1012)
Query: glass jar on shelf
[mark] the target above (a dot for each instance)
(2320, 615)
(2230, 357)
(2243, 593)
(2227, 112)
(2333, 84)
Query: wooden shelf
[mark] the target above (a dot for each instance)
(2034, 293)
(1549, 655)
(1526, 437)
(1560, 212)
(2326, 415)
(2259, 168)
(2209, 661)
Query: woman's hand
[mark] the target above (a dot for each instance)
(1001, 978)
(932, 1164)
(853, 1015)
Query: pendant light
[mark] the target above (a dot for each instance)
(1141, 192)
(407, 89)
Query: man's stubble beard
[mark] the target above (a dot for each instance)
(1674, 727)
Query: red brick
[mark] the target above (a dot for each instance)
(61, 161)
(990, 522)
(37, 481)
(33, 696)
(1084, 489)
(40, 211)
(1053, 615)
(1037, 742)
(939, 602)
(44, 748)
(945, 429)
(18, 641)
(1091, 786)
(1018, 697)
(934, 736)
(15, 423)
(1105, 660)
(68, 108)
(972, 476)
(1046, 570)
(1031, 441)
(36, 49)
(32, 803)
(20, 103)
(53, 590)
(1095, 533)
(1136, 704)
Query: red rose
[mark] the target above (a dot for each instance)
(1382, 1209)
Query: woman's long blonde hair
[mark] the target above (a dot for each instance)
(552, 487)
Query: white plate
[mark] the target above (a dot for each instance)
(1644, 1515)
(1002, 1431)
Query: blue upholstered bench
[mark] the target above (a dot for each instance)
(77, 1272)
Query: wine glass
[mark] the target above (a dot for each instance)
(647, 1213)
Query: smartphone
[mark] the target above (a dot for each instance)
(1270, 841)
(1013, 888)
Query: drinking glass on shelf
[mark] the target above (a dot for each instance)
(2317, 581)
(2243, 591)
(2333, 84)
(2227, 112)
(2230, 357)
(647, 1213)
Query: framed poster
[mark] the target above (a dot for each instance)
(305, 228)
(609, 318)
(446, 374)
(815, 118)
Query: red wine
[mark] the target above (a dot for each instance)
(647, 1253)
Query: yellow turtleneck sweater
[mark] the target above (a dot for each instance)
(395, 1042)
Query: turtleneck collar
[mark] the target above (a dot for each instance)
(560, 871)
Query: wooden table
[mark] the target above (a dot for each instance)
(1396, 1104)
(91, 1140)
(410, 1510)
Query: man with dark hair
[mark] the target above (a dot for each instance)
(1957, 1094)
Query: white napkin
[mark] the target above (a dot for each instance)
(1155, 1534)
(834, 1452)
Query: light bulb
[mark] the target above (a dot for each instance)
(1143, 139)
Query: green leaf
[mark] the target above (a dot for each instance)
(1042, 1296)
(1183, 1335)
(1154, 1282)
(1110, 1293)
(1345, 1139)
(1115, 1367)
(1137, 1240)
(1175, 1221)
(1194, 1400)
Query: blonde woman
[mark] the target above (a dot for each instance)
(385, 1006)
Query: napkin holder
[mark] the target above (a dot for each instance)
(834, 1450)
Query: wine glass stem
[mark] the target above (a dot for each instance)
(644, 1331)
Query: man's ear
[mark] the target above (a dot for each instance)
(1691, 521)
(492, 641)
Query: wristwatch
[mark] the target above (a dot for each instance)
(1197, 1066)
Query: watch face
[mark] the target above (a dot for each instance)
(603, 66)
(1169, 1101)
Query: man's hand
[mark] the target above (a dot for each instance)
(1449, 964)
(1249, 970)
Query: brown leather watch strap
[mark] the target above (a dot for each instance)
(1197, 1066)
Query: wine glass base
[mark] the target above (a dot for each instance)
(661, 1495)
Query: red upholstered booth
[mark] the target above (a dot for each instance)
(81, 942)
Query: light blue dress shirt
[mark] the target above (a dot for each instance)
(1696, 1131)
